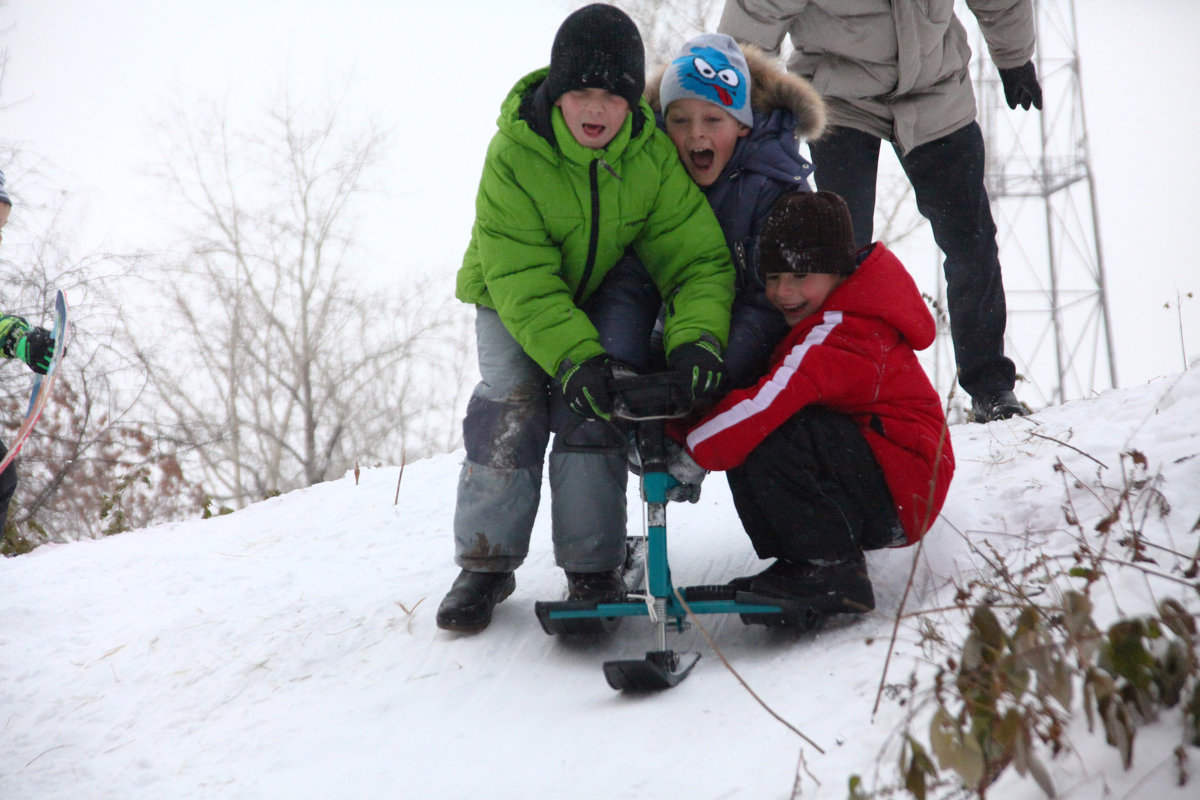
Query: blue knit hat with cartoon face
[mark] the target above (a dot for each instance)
(4, 198)
(712, 68)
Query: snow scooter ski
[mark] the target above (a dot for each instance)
(647, 401)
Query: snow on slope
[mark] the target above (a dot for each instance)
(289, 650)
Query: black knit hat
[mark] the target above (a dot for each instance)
(808, 232)
(598, 47)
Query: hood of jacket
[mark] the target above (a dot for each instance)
(527, 117)
(881, 287)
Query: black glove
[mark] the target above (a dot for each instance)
(36, 348)
(585, 387)
(702, 361)
(1021, 86)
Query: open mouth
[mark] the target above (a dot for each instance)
(592, 130)
(702, 159)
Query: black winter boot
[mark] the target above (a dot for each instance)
(997, 405)
(836, 585)
(467, 607)
(596, 587)
(778, 566)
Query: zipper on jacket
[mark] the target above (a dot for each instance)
(594, 237)
(739, 261)
(608, 167)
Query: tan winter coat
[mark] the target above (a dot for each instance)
(895, 69)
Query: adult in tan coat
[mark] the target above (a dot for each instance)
(898, 71)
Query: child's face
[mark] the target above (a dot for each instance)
(5, 210)
(799, 296)
(705, 137)
(594, 116)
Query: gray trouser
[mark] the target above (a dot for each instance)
(510, 416)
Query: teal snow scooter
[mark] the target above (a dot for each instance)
(647, 401)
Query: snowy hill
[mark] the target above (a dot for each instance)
(289, 650)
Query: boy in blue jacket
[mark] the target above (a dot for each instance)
(736, 119)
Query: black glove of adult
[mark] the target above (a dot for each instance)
(1021, 86)
(585, 387)
(702, 361)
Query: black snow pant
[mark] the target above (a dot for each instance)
(8, 485)
(947, 177)
(813, 490)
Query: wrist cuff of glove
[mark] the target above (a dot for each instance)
(12, 328)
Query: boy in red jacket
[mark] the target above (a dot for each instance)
(842, 446)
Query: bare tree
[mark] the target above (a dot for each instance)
(666, 24)
(282, 363)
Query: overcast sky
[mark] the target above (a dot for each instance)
(88, 82)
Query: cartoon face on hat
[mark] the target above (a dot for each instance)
(711, 67)
(710, 74)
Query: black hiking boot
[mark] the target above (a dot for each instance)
(840, 586)
(467, 607)
(596, 587)
(997, 405)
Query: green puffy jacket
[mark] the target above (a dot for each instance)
(553, 217)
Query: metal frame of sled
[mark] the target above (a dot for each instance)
(648, 400)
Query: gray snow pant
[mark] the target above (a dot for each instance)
(509, 418)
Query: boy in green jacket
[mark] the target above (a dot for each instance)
(577, 173)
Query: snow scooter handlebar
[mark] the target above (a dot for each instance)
(646, 401)
(660, 395)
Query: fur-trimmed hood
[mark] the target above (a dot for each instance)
(771, 88)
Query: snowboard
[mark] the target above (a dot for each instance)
(43, 385)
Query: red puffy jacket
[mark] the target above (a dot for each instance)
(854, 356)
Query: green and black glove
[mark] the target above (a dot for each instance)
(36, 349)
(34, 346)
(585, 387)
(702, 361)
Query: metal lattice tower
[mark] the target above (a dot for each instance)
(1043, 195)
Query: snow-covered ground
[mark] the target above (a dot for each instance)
(289, 650)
